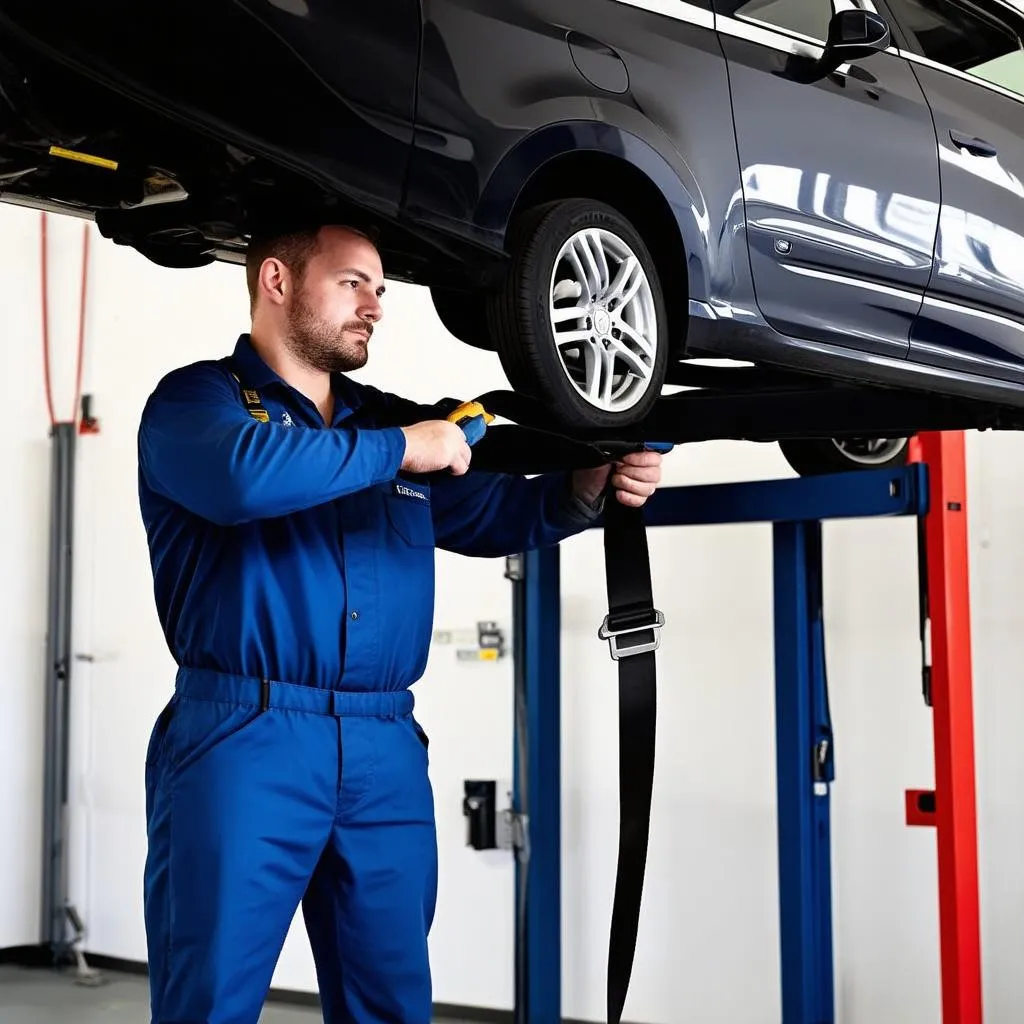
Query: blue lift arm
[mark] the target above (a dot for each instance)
(797, 508)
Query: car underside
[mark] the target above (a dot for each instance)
(121, 146)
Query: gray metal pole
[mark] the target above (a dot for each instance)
(55, 901)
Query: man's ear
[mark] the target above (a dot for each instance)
(274, 281)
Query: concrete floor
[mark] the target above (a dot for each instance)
(35, 996)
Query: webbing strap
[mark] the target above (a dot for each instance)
(250, 396)
(533, 445)
(632, 629)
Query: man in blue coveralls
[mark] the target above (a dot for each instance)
(292, 516)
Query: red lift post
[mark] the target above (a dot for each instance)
(951, 807)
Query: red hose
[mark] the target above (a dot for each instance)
(46, 321)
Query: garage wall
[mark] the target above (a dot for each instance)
(708, 949)
(24, 468)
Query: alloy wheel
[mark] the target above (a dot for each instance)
(870, 451)
(603, 319)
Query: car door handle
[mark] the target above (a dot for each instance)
(979, 147)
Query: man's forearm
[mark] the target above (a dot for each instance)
(491, 515)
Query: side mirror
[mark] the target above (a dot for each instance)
(854, 34)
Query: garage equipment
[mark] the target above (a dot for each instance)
(934, 490)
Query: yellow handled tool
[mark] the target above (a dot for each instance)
(473, 418)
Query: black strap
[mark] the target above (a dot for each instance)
(534, 443)
(632, 628)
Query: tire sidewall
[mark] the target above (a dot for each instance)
(820, 456)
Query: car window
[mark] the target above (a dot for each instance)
(963, 36)
(804, 17)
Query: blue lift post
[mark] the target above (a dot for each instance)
(796, 508)
(536, 793)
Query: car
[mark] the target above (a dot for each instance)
(606, 193)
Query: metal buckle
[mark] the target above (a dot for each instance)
(627, 623)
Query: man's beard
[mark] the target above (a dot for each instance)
(320, 345)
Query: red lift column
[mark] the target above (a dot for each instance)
(950, 808)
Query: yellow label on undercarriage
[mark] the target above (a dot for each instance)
(85, 158)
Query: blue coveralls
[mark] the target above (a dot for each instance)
(294, 580)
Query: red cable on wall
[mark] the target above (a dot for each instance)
(44, 271)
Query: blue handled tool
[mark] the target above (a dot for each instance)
(473, 418)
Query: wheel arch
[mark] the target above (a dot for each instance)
(623, 170)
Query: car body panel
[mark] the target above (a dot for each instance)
(484, 129)
(841, 228)
(973, 318)
(367, 57)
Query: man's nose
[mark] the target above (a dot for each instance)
(371, 311)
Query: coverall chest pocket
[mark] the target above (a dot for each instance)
(407, 504)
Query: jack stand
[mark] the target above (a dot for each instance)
(84, 975)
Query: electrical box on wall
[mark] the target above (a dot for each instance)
(488, 826)
(485, 643)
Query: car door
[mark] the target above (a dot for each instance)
(840, 178)
(969, 58)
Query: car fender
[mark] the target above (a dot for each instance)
(663, 167)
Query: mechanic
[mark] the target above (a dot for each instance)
(292, 516)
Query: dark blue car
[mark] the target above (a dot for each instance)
(609, 193)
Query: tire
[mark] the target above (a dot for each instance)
(814, 457)
(544, 277)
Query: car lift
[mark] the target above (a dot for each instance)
(933, 488)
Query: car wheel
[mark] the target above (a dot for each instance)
(579, 321)
(813, 457)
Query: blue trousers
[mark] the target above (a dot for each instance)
(255, 806)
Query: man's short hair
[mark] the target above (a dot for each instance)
(294, 245)
(293, 248)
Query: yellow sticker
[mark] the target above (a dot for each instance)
(85, 158)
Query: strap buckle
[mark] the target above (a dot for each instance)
(626, 624)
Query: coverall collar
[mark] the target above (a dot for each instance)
(257, 374)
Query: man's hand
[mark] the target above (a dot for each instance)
(634, 479)
(435, 445)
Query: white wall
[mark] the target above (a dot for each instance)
(708, 947)
(24, 468)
